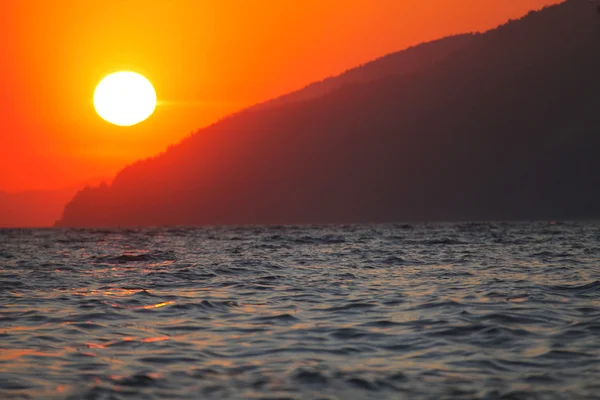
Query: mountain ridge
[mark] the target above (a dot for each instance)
(38, 208)
(430, 145)
(405, 61)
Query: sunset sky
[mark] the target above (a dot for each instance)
(206, 58)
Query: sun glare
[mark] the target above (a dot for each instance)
(124, 98)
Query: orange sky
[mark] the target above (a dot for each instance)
(206, 59)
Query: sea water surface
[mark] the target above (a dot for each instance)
(433, 311)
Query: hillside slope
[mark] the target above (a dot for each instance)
(503, 128)
(407, 61)
(33, 209)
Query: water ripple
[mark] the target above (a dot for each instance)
(432, 311)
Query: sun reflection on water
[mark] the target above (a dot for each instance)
(240, 313)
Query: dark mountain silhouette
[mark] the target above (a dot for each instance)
(506, 127)
(37, 208)
(33, 208)
(411, 60)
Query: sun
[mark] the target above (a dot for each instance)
(124, 98)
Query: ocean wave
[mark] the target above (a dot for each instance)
(469, 310)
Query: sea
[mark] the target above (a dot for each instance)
(399, 311)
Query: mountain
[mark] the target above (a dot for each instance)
(505, 127)
(407, 61)
(37, 208)
(33, 209)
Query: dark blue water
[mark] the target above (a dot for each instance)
(451, 311)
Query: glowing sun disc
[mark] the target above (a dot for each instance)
(124, 98)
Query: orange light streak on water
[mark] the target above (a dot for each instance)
(159, 305)
(156, 339)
